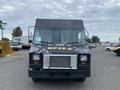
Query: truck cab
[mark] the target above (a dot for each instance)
(59, 50)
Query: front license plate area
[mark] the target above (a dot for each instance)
(60, 61)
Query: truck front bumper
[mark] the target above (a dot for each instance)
(58, 74)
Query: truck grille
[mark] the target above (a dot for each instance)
(60, 61)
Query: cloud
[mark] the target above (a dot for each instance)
(69, 1)
(8, 8)
(99, 15)
(2, 11)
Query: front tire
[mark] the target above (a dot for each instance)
(118, 54)
(82, 80)
(107, 49)
(35, 80)
(15, 50)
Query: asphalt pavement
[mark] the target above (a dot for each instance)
(105, 74)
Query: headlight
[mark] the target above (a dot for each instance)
(83, 58)
(36, 57)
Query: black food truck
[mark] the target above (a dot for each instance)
(59, 50)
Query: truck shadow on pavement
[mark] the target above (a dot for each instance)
(59, 84)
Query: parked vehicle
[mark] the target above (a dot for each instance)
(92, 46)
(59, 51)
(16, 46)
(116, 49)
(108, 48)
(24, 40)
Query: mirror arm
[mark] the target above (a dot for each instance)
(87, 32)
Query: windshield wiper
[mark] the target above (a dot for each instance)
(72, 42)
(75, 43)
(46, 42)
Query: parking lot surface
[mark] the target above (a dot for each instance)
(105, 75)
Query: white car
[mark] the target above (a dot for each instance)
(108, 48)
(92, 46)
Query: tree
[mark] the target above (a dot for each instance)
(95, 39)
(5, 39)
(17, 32)
(0, 24)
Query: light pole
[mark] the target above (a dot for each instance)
(2, 28)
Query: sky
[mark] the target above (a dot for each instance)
(101, 17)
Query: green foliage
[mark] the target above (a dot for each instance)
(5, 39)
(0, 24)
(17, 32)
(95, 39)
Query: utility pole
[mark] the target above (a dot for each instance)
(2, 28)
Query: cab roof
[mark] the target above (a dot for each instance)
(53, 24)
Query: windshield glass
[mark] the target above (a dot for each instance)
(59, 36)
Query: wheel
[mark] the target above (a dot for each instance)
(107, 49)
(15, 49)
(35, 80)
(26, 47)
(118, 54)
(82, 80)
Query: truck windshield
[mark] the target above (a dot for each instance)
(58, 36)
